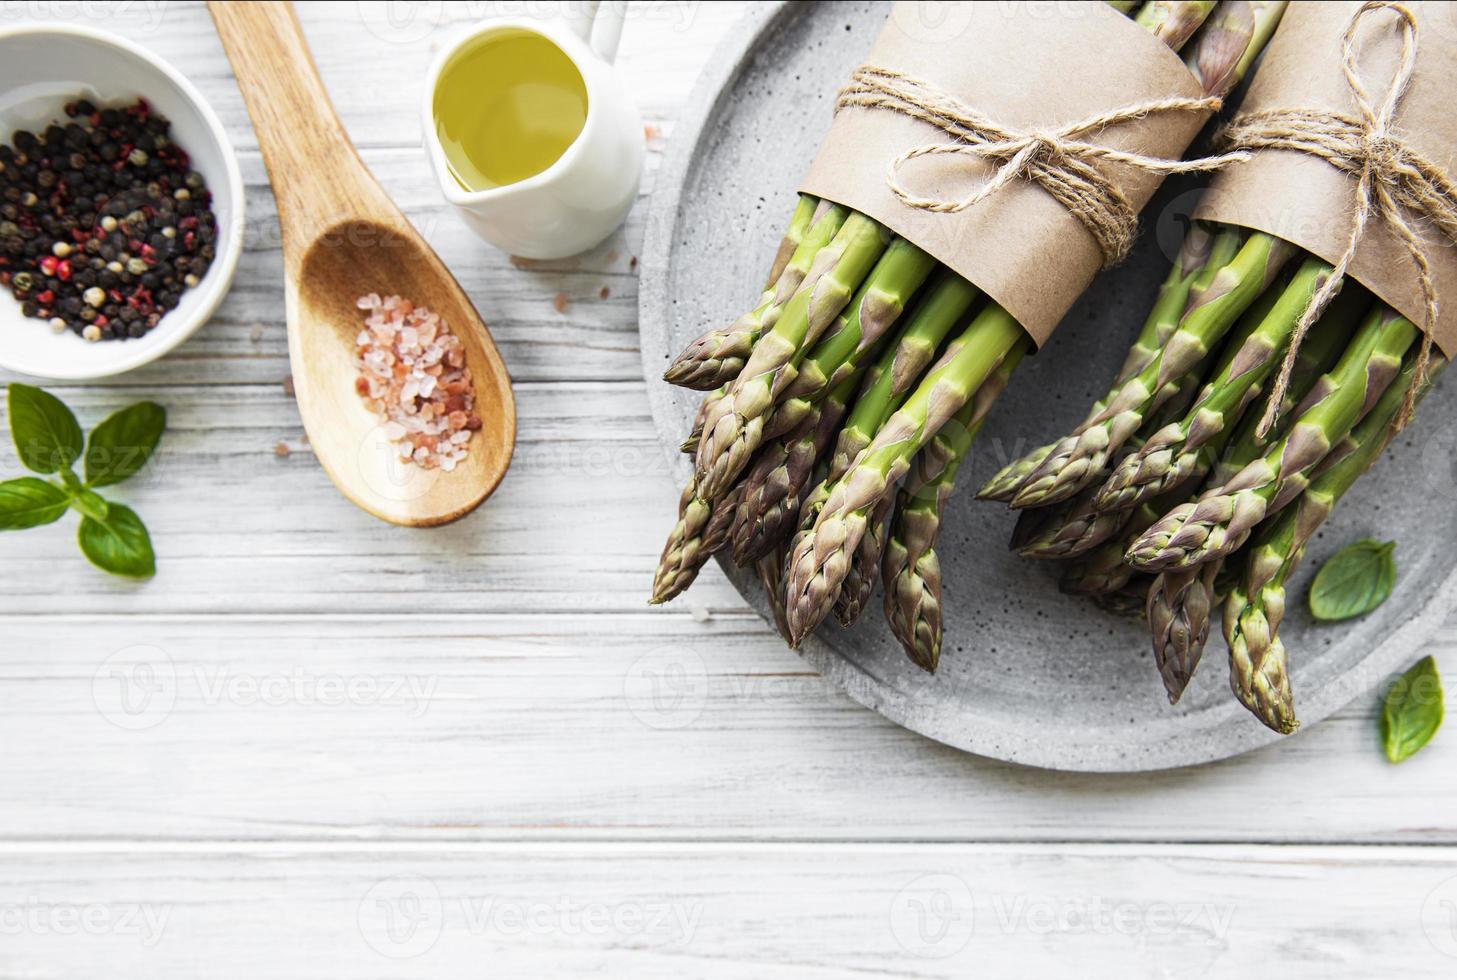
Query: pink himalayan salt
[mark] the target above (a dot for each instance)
(412, 374)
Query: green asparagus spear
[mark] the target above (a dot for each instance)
(689, 446)
(857, 334)
(1178, 611)
(719, 355)
(735, 427)
(702, 529)
(1174, 21)
(911, 569)
(776, 481)
(799, 222)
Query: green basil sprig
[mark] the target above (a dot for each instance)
(49, 440)
(1413, 711)
(1354, 581)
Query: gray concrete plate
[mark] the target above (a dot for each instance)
(1027, 674)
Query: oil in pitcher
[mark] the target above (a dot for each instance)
(506, 108)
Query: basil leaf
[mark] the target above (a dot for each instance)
(1354, 581)
(123, 442)
(30, 502)
(1412, 712)
(119, 545)
(46, 434)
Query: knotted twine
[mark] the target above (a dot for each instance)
(1394, 182)
(1060, 160)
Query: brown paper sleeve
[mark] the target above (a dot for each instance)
(1026, 66)
(1305, 200)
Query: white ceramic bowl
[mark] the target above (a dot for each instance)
(42, 66)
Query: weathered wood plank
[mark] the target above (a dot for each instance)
(665, 911)
(577, 524)
(573, 727)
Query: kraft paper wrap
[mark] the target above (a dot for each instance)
(1305, 200)
(1026, 66)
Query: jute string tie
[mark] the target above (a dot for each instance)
(1061, 160)
(1394, 183)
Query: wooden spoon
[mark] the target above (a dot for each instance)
(343, 238)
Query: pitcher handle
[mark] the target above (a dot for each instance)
(599, 24)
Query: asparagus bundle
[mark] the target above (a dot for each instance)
(841, 378)
(1140, 514)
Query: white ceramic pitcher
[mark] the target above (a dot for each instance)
(581, 198)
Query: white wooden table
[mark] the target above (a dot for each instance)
(318, 746)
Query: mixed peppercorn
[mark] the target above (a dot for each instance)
(103, 224)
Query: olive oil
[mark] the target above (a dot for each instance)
(507, 108)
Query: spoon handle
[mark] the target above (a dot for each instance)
(298, 131)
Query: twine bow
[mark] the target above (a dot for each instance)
(1060, 160)
(1394, 182)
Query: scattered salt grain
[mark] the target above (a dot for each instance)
(412, 374)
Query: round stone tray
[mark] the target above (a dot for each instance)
(1027, 674)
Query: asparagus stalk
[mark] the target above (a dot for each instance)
(1174, 21)
(858, 333)
(799, 222)
(864, 566)
(900, 366)
(702, 529)
(1079, 458)
(819, 564)
(1178, 610)
(735, 426)
(770, 568)
(911, 569)
(719, 355)
(1176, 453)
(1102, 570)
(773, 489)
(1231, 41)
(1259, 668)
(689, 446)
(1221, 520)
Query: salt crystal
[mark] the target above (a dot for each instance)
(413, 370)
